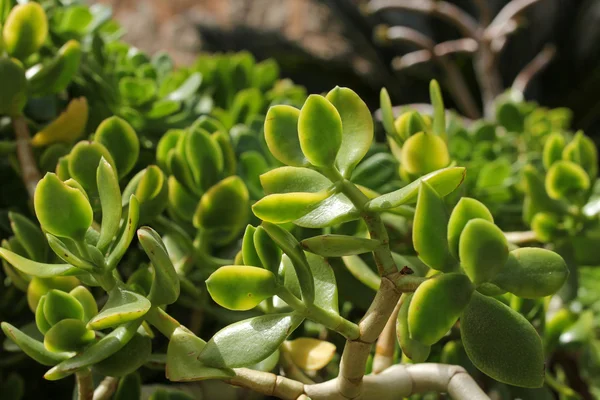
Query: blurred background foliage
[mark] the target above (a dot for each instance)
(320, 43)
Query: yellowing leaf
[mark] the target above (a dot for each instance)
(310, 354)
(68, 127)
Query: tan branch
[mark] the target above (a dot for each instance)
(521, 237)
(535, 66)
(267, 383)
(438, 53)
(106, 388)
(485, 14)
(29, 170)
(509, 12)
(466, 24)
(401, 381)
(386, 344)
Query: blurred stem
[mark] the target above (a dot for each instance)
(291, 370)
(560, 388)
(521, 237)
(29, 170)
(85, 385)
(106, 388)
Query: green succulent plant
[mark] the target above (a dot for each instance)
(213, 222)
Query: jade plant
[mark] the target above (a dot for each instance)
(465, 275)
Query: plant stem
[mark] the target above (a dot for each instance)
(356, 353)
(521, 237)
(29, 170)
(85, 385)
(330, 320)
(386, 344)
(106, 388)
(162, 321)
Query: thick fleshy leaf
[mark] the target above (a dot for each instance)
(320, 131)
(566, 180)
(582, 150)
(249, 254)
(281, 135)
(62, 210)
(310, 354)
(83, 163)
(14, 87)
(553, 149)
(62, 251)
(182, 359)
(436, 306)
(241, 287)
(465, 210)
(483, 250)
(110, 199)
(532, 272)
(326, 292)
(122, 306)
(249, 341)
(537, 199)
(290, 246)
(129, 359)
(205, 158)
(266, 249)
(223, 210)
(32, 347)
(59, 305)
(443, 181)
(96, 352)
(40, 318)
(357, 128)
(229, 157)
(376, 171)
(429, 230)
(34, 268)
(167, 142)
(25, 30)
(30, 236)
(38, 287)
(387, 114)
(423, 153)
(55, 76)
(68, 127)
(287, 207)
(165, 285)
(121, 141)
(545, 226)
(413, 349)
(68, 335)
(361, 271)
(129, 387)
(439, 111)
(339, 245)
(252, 165)
(333, 210)
(87, 301)
(133, 215)
(181, 201)
(293, 179)
(502, 343)
(187, 89)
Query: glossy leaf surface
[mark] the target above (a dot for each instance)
(502, 343)
(248, 342)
